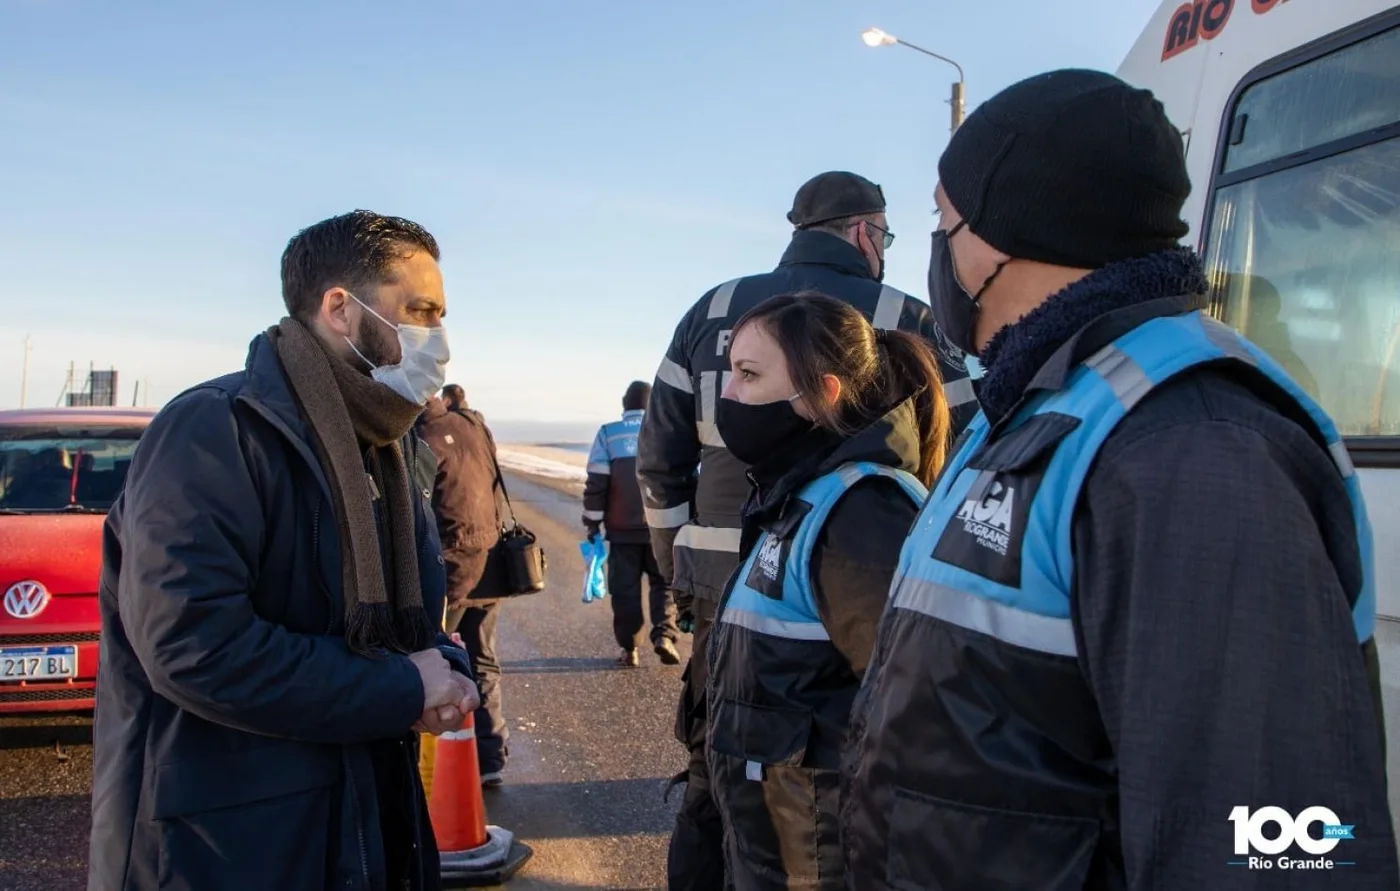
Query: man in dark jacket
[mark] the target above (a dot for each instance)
(838, 248)
(613, 499)
(270, 577)
(466, 501)
(1132, 627)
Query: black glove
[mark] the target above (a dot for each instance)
(686, 622)
(593, 529)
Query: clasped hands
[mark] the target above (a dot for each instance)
(448, 697)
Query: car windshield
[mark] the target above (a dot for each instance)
(55, 469)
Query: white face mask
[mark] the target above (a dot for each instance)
(422, 368)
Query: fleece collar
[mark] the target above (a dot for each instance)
(1039, 351)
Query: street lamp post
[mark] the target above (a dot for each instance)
(876, 37)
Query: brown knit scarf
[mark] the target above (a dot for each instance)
(350, 414)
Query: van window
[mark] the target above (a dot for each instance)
(57, 470)
(1304, 257)
(1350, 91)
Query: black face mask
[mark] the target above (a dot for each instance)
(879, 269)
(954, 309)
(755, 433)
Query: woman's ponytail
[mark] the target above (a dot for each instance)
(912, 370)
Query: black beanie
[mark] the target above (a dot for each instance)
(832, 196)
(1073, 167)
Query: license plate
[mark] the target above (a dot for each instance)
(38, 663)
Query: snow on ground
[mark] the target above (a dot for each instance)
(548, 462)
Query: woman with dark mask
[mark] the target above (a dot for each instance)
(843, 427)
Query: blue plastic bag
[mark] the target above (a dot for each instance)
(595, 578)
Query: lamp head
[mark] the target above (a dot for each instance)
(876, 37)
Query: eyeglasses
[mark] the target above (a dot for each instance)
(888, 235)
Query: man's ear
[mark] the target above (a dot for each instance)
(334, 314)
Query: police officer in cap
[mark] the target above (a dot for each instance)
(1138, 607)
(838, 248)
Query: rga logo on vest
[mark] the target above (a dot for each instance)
(989, 520)
(770, 557)
(1292, 831)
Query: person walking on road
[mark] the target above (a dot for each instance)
(612, 499)
(467, 503)
(455, 398)
(1134, 623)
(838, 248)
(271, 579)
(842, 427)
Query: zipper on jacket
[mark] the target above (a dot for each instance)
(316, 567)
(359, 820)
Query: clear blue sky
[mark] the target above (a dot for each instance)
(589, 168)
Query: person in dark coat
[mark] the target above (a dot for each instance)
(1134, 624)
(270, 579)
(467, 503)
(612, 499)
(842, 427)
(840, 235)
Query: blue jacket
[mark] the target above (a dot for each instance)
(235, 731)
(612, 496)
(1093, 571)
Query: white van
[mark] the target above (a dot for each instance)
(1291, 114)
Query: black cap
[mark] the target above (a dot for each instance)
(833, 195)
(1072, 167)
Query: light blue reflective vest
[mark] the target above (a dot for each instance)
(615, 440)
(783, 563)
(991, 550)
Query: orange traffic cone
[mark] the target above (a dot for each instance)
(427, 756)
(473, 854)
(458, 812)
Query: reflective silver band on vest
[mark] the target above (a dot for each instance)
(1223, 338)
(1122, 373)
(668, 517)
(708, 394)
(719, 303)
(708, 538)
(708, 434)
(959, 392)
(711, 383)
(1342, 458)
(773, 626)
(889, 308)
(1044, 634)
(672, 374)
(849, 474)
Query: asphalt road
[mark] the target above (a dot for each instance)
(591, 745)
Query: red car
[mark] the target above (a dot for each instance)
(60, 471)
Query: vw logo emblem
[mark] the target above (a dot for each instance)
(25, 600)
